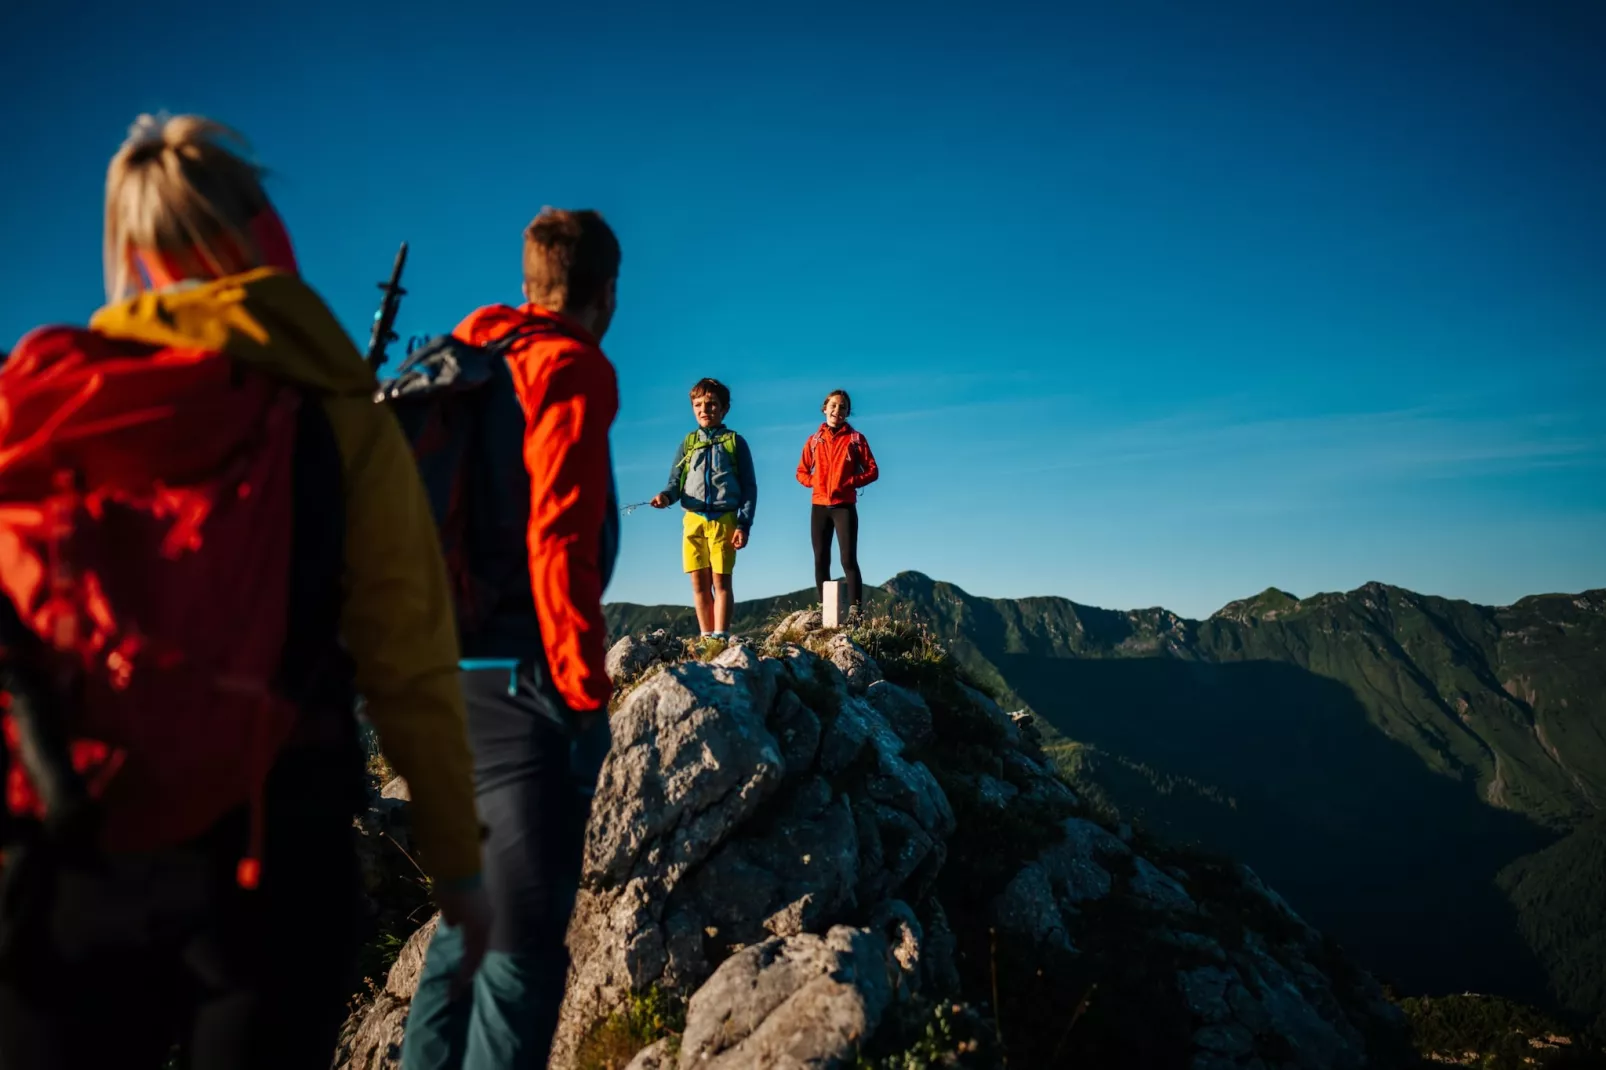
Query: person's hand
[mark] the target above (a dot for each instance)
(470, 913)
(739, 539)
(660, 501)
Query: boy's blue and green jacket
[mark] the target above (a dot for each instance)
(713, 474)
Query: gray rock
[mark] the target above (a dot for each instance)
(1229, 1039)
(1073, 865)
(635, 654)
(795, 626)
(691, 760)
(1027, 908)
(1252, 881)
(628, 658)
(1306, 1016)
(1247, 1009)
(872, 854)
(895, 922)
(858, 667)
(1205, 990)
(807, 670)
(751, 804)
(660, 1055)
(903, 709)
(1193, 942)
(757, 677)
(1093, 839)
(1003, 724)
(801, 873)
(1027, 723)
(372, 1037)
(796, 916)
(910, 857)
(797, 729)
(805, 1001)
(994, 793)
(845, 738)
(1036, 781)
(1157, 889)
(685, 939)
(910, 786)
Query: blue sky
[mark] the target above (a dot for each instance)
(1140, 304)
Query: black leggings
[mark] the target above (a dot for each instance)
(844, 520)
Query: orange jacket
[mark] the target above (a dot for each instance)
(570, 395)
(835, 464)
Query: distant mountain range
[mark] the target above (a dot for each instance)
(1425, 778)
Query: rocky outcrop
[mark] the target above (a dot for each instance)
(802, 1000)
(633, 655)
(371, 1039)
(813, 851)
(748, 803)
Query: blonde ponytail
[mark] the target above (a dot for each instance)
(176, 189)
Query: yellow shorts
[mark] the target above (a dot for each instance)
(708, 543)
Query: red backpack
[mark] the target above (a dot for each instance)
(145, 540)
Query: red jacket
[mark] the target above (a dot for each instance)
(835, 464)
(570, 396)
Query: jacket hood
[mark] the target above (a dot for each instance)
(487, 324)
(266, 318)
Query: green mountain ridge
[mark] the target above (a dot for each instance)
(1422, 776)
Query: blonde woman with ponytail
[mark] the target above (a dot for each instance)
(215, 910)
(182, 207)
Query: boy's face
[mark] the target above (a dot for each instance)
(708, 409)
(836, 412)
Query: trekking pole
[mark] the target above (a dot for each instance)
(385, 318)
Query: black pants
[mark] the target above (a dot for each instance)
(529, 801)
(534, 811)
(134, 956)
(844, 520)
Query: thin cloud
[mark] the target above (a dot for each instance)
(1422, 441)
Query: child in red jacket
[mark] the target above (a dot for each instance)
(836, 462)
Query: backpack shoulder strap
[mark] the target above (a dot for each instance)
(446, 362)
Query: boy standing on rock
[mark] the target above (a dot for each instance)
(714, 481)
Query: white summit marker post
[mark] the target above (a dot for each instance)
(833, 606)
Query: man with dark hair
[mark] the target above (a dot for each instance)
(543, 525)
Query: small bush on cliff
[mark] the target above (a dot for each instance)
(923, 1036)
(1494, 1033)
(710, 648)
(908, 651)
(645, 1019)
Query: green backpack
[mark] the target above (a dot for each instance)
(691, 445)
